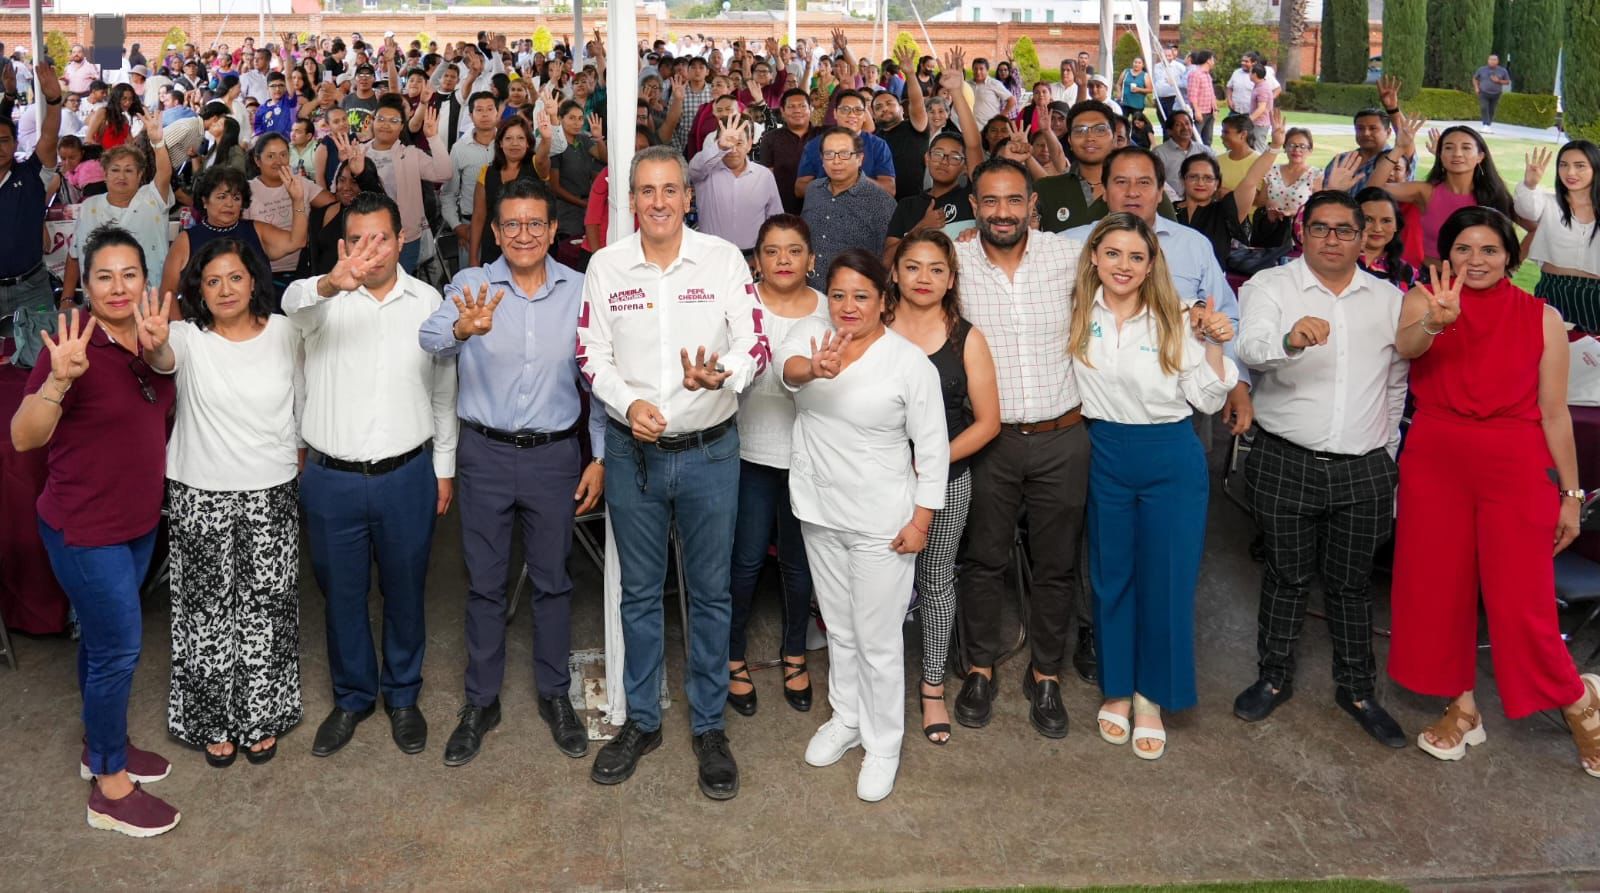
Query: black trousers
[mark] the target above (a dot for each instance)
(1048, 475)
(1324, 516)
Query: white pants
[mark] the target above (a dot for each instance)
(863, 587)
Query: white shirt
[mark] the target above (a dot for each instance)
(271, 204)
(1345, 396)
(637, 317)
(855, 435)
(1241, 87)
(1027, 321)
(371, 390)
(237, 421)
(1553, 242)
(145, 217)
(1169, 78)
(468, 157)
(1124, 382)
(766, 408)
(253, 84)
(988, 100)
(1067, 93)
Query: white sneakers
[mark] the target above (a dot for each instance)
(877, 777)
(833, 740)
(830, 742)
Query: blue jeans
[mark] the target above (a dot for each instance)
(410, 253)
(352, 520)
(647, 488)
(763, 500)
(102, 582)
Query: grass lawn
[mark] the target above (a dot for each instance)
(1332, 886)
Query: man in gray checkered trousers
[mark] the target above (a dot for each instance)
(1329, 393)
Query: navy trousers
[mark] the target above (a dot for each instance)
(498, 485)
(352, 519)
(1148, 489)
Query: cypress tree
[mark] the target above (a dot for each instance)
(1345, 29)
(1405, 24)
(1534, 44)
(1460, 35)
(1580, 85)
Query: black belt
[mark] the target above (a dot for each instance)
(8, 281)
(1315, 454)
(369, 469)
(677, 443)
(520, 439)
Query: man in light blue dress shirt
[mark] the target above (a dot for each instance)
(513, 328)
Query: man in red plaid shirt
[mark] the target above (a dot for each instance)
(1203, 93)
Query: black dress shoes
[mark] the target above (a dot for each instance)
(798, 698)
(409, 729)
(468, 737)
(975, 704)
(571, 737)
(337, 730)
(1258, 701)
(719, 774)
(617, 760)
(1084, 659)
(1373, 718)
(1045, 710)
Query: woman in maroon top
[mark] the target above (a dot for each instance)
(1488, 490)
(94, 402)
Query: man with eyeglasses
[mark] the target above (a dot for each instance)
(1179, 144)
(945, 206)
(363, 97)
(511, 327)
(843, 209)
(1330, 391)
(402, 168)
(277, 114)
(876, 159)
(1074, 198)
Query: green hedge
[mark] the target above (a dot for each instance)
(1526, 109)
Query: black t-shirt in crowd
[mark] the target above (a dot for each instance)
(957, 204)
(907, 145)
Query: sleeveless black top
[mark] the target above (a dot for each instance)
(949, 359)
(489, 249)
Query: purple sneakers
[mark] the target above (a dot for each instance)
(136, 815)
(143, 766)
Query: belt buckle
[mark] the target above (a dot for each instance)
(524, 440)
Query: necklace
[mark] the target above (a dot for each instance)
(220, 229)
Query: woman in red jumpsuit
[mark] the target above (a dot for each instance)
(1488, 493)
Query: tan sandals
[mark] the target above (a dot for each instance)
(1453, 739)
(1585, 725)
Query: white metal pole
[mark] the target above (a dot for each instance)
(261, 23)
(36, 27)
(791, 22)
(577, 34)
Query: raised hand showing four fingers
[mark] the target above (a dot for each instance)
(69, 350)
(476, 315)
(703, 371)
(150, 315)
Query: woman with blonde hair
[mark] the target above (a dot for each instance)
(1142, 361)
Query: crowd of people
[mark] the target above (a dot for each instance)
(880, 316)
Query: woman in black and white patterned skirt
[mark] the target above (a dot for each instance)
(231, 468)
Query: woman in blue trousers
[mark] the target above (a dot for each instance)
(1142, 360)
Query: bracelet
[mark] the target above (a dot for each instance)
(160, 145)
(1574, 494)
(54, 102)
(1287, 347)
(56, 401)
(921, 530)
(1392, 112)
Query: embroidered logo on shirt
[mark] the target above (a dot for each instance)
(1094, 330)
(630, 299)
(696, 296)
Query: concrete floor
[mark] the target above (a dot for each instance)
(1303, 795)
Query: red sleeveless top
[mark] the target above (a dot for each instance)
(1485, 366)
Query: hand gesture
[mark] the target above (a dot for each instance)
(1444, 301)
(1536, 163)
(646, 421)
(906, 55)
(1208, 324)
(1346, 173)
(1434, 135)
(1308, 331)
(430, 122)
(476, 315)
(827, 358)
(680, 85)
(597, 126)
(704, 372)
(152, 126)
(933, 218)
(1280, 128)
(544, 126)
(69, 356)
(1389, 91)
(839, 40)
(49, 84)
(354, 267)
(730, 132)
(772, 46)
(150, 315)
(292, 185)
(1016, 147)
(955, 69)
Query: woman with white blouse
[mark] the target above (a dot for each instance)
(129, 203)
(868, 401)
(232, 464)
(1142, 361)
(766, 425)
(1564, 243)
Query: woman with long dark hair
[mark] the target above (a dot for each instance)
(119, 120)
(232, 494)
(513, 160)
(924, 307)
(1383, 239)
(1564, 244)
(1488, 484)
(1463, 175)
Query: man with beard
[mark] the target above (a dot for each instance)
(1013, 285)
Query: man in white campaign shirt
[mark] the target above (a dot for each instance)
(371, 490)
(670, 333)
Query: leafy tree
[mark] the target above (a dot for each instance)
(1533, 44)
(1346, 63)
(176, 37)
(1405, 25)
(1122, 55)
(1580, 86)
(1460, 33)
(904, 39)
(543, 42)
(1024, 56)
(58, 48)
(1229, 29)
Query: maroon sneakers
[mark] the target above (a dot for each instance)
(142, 765)
(136, 815)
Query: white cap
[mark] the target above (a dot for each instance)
(1100, 79)
(388, 34)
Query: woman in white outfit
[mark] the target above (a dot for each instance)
(868, 400)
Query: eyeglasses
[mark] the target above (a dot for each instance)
(942, 155)
(1342, 233)
(141, 371)
(1091, 129)
(849, 110)
(837, 156)
(534, 227)
(1298, 147)
(384, 119)
(1200, 178)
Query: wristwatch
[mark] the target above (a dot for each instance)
(599, 460)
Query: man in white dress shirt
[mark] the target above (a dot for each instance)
(670, 333)
(1329, 392)
(371, 490)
